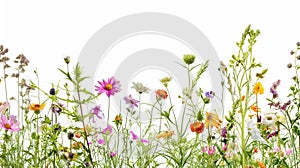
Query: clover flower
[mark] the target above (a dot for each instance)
(10, 124)
(110, 87)
(131, 101)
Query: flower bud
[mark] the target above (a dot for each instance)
(188, 58)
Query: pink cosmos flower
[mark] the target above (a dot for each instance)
(3, 107)
(107, 130)
(134, 136)
(10, 124)
(110, 87)
(132, 102)
(101, 141)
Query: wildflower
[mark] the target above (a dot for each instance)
(284, 106)
(197, 127)
(255, 150)
(77, 145)
(224, 132)
(110, 87)
(269, 119)
(107, 130)
(67, 59)
(118, 119)
(165, 134)
(258, 88)
(161, 94)
(280, 119)
(140, 88)
(204, 149)
(71, 155)
(70, 135)
(77, 135)
(188, 58)
(37, 107)
(243, 98)
(288, 151)
(276, 149)
(97, 112)
(134, 136)
(211, 150)
(3, 107)
(165, 81)
(261, 164)
(57, 108)
(272, 134)
(112, 154)
(87, 129)
(224, 147)
(212, 120)
(132, 102)
(210, 94)
(101, 141)
(144, 141)
(10, 124)
(52, 91)
(255, 134)
(255, 108)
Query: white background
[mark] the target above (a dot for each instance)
(47, 31)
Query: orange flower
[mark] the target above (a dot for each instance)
(77, 145)
(37, 107)
(197, 127)
(261, 164)
(165, 134)
(243, 98)
(258, 88)
(255, 108)
(161, 94)
(212, 120)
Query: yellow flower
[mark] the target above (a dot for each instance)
(212, 120)
(281, 118)
(165, 134)
(258, 88)
(255, 108)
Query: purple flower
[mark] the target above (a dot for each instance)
(134, 136)
(224, 132)
(272, 134)
(110, 87)
(10, 124)
(273, 89)
(107, 130)
(144, 141)
(57, 108)
(101, 141)
(4, 107)
(132, 102)
(210, 94)
(97, 112)
(276, 149)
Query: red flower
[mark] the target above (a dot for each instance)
(161, 93)
(197, 127)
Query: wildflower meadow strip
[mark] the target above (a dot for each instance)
(65, 124)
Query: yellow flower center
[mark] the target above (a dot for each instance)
(108, 87)
(7, 126)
